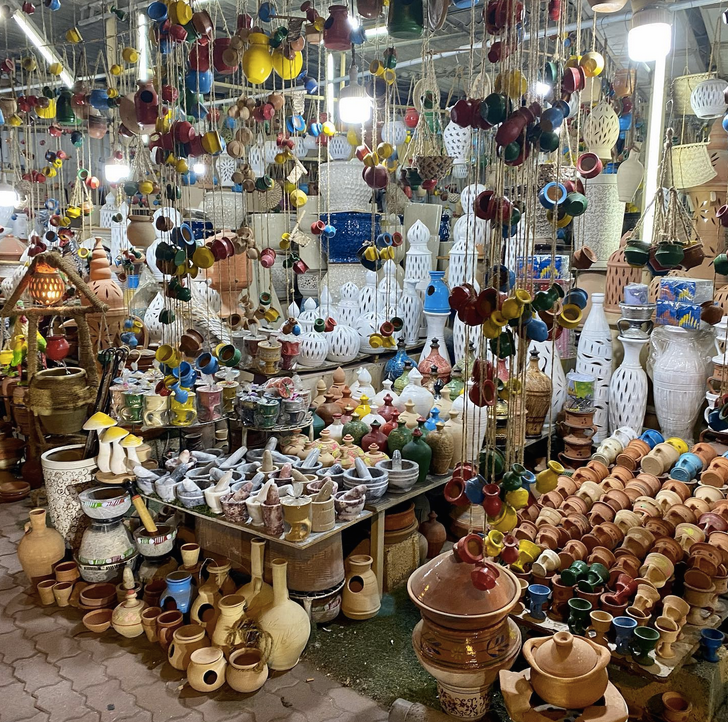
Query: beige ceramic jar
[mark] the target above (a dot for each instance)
(246, 671)
(258, 594)
(232, 610)
(186, 640)
(206, 670)
(361, 590)
(40, 548)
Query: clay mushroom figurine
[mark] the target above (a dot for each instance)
(113, 436)
(131, 443)
(100, 422)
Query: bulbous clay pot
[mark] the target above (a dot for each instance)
(567, 671)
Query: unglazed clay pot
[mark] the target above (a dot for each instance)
(464, 639)
(40, 548)
(567, 671)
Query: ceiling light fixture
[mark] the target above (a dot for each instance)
(650, 37)
(42, 46)
(116, 168)
(355, 106)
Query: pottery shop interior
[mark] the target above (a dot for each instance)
(441, 437)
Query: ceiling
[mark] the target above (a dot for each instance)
(695, 28)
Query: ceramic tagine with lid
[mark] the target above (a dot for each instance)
(567, 671)
(464, 639)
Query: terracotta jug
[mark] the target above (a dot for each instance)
(361, 589)
(258, 594)
(435, 534)
(232, 610)
(285, 621)
(40, 548)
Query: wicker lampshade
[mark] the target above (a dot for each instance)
(46, 287)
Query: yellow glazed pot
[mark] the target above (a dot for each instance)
(285, 68)
(257, 61)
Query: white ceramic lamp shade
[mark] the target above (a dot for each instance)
(708, 100)
(601, 130)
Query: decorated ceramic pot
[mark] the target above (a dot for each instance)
(464, 639)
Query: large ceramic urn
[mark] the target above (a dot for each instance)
(465, 637)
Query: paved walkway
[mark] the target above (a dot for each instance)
(52, 669)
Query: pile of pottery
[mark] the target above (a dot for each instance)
(280, 494)
(603, 546)
(205, 627)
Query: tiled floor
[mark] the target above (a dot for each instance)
(53, 670)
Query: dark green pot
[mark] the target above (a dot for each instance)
(669, 255)
(637, 253)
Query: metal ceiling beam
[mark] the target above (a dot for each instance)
(700, 33)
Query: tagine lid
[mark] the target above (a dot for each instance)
(443, 585)
(565, 655)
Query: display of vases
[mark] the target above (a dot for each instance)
(603, 231)
(628, 388)
(40, 548)
(343, 344)
(594, 357)
(678, 380)
(285, 621)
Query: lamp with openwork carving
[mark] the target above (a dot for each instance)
(46, 287)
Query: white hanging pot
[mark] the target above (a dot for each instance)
(708, 99)
(601, 130)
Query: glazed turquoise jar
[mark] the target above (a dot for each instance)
(437, 294)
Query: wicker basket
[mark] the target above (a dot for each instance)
(682, 88)
(691, 165)
(432, 167)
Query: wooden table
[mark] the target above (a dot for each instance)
(374, 511)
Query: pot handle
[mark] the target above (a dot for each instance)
(528, 649)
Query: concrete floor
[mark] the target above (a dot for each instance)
(54, 670)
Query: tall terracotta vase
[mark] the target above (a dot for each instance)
(285, 621)
(538, 396)
(40, 548)
(104, 328)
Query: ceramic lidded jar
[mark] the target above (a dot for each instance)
(567, 671)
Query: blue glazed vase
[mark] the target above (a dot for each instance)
(711, 640)
(178, 592)
(394, 368)
(688, 466)
(432, 419)
(437, 295)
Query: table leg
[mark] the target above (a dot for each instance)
(377, 547)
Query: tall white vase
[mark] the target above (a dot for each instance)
(594, 357)
(435, 329)
(628, 388)
(678, 380)
(410, 310)
(460, 340)
(548, 353)
(604, 230)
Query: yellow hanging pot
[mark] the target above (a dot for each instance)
(285, 68)
(257, 61)
(48, 112)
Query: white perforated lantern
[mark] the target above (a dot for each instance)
(601, 130)
(708, 99)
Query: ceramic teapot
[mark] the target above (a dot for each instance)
(567, 671)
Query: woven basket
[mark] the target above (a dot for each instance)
(691, 165)
(682, 88)
(432, 167)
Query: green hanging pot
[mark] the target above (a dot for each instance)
(720, 263)
(637, 253)
(669, 255)
(492, 463)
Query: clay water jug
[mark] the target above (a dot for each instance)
(285, 621)
(40, 548)
(435, 533)
(232, 610)
(258, 594)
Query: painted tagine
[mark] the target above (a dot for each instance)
(463, 639)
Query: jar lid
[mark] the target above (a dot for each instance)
(565, 655)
